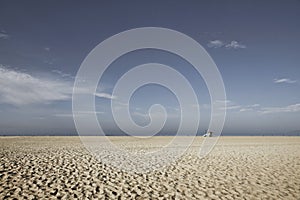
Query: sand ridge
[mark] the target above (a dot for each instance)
(237, 168)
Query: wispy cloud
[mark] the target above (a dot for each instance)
(235, 45)
(4, 36)
(63, 115)
(289, 108)
(156, 115)
(233, 107)
(228, 105)
(82, 113)
(62, 74)
(284, 80)
(144, 115)
(253, 107)
(215, 44)
(19, 88)
(47, 49)
(270, 110)
(257, 108)
(246, 109)
(104, 95)
(230, 45)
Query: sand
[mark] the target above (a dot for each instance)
(237, 168)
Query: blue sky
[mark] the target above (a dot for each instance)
(255, 45)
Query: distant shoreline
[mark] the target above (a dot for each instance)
(290, 133)
(142, 137)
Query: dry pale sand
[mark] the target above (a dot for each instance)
(237, 168)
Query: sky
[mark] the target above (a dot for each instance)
(255, 45)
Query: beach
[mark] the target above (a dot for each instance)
(59, 167)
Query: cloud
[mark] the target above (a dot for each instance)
(220, 44)
(81, 113)
(196, 106)
(284, 109)
(235, 45)
(233, 107)
(284, 80)
(227, 105)
(230, 105)
(47, 49)
(156, 114)
(62, 74)
(63, 115)
(4, 36)
(257, 108)
(246, 109)
(144, 115)
(224, 101)
(19, 88)
(270, 110)
(104, 95)
(215, 44)
(250, 107)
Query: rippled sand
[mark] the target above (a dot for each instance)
(237, 168)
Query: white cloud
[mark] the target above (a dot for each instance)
(215, 44)
(284, 80)
(250, 107)
(156, 115)
(204, 106)
(233, 107)
(144, 115)
(62, 74)
(227, 105)
(230, 105)
(257, 108)
(270, 110)
(47, 48)
(289, 108)
(220, 44)
(82, 113)
(19, 88)
(104, 95)
(246, 109)
(224, 101)
(195, 105)
(235, 45)
(63, 115)
(4, 36)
